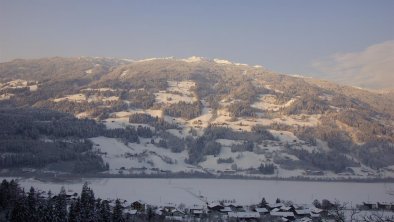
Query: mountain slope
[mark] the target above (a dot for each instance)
(212, 116)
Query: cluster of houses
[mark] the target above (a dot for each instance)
(277, 210)
(230, 212)
(378, 206)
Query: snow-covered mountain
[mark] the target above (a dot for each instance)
(209, 116)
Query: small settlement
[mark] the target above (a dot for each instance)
(230, 211)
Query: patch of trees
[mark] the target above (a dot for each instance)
(144, 132)
(46, 90)
(263, 132)
(328, 131)
(158, 123)
(216, 132)
(241, 108)
(367, 128)
(151, 83)
(66, 106)
(225, 160)
(128, 134)
(17, 205)
(142, 118)
(184, 110)
(32, 123)
(306, 105)
(345, 102)
(22, 152)
(198, 148)
(376, 154)
(246, 91)
(171, 142)
(37, 138)
(243, 147)
(332, 161)
(142, 99)
(101, 93)
(268, 168)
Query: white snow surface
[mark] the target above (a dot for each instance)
(163, 191)
(131, 158)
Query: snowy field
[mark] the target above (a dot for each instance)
(163, 191)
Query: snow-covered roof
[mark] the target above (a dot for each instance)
(316, 210)
(282, 214)
(303, 211)
(244, 214)
(130, 211)
(275, 205)
(315, 215)
(305, 219)
(285, 208)
(176, 210)
(197, 211)
(262, 210)
(226, 209)
(211, 205)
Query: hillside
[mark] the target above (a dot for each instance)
(194, 116)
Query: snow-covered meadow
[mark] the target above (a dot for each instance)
(189, 191)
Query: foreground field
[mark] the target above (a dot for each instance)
(198, 191)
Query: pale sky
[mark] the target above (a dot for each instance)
(303, 37)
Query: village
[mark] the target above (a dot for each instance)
(228, 210)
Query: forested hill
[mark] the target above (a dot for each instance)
(190, 115)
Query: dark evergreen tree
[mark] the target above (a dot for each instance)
(20, 213)
(60, 207)
(104, 212)
(75, 211)
(48, 214)
(87, 203)
(317, 203)
(263, 203)
(32, 203)
(117, 215)
(4, 194)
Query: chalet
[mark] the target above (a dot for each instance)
(138, 205)
(285, 209)
(275, 205)
(315, 215)
(384, 206)
(316, 210)
(370, 205)
(235, 208)
(262, 210)
(287, 215)
(196, 212)
(226, 210)
(303, 212)
(177, 213)
(215, 207)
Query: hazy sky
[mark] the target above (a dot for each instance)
(295, 36)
